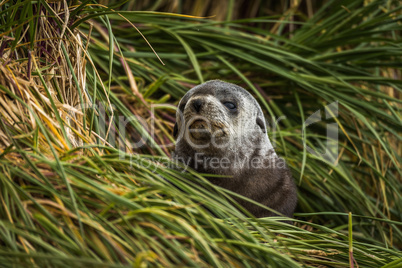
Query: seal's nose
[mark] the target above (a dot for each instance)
(197, 103)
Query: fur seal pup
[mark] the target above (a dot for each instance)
(220, 129)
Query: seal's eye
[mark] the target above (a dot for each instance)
(231, 106)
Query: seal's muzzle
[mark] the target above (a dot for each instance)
(200, 129)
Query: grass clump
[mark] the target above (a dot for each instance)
(76, 191)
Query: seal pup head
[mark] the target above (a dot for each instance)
(217, 116)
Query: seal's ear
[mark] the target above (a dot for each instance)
(260, 123)
(175, 130)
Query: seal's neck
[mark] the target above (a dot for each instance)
(232, 164)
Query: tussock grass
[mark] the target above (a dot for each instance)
(75, 192)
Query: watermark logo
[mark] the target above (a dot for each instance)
(331, 149)
(113, 131)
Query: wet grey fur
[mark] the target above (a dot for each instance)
(241, 139)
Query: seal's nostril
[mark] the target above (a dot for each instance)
(197, 104)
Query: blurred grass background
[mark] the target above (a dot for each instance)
(74, 191)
